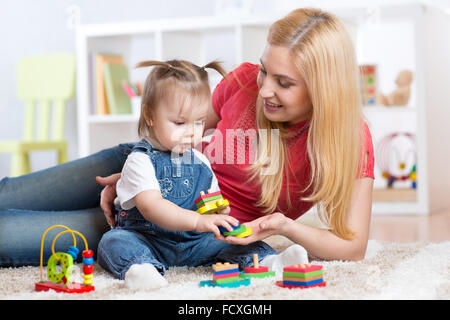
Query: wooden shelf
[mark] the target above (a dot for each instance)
(394, 195)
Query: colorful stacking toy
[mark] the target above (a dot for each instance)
(240, 231)
(225, 275)
(211, 202)
(257, 271)
(302, 276)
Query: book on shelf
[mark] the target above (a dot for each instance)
(114, 76)
(98, 92)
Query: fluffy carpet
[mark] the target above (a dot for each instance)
(389, 271)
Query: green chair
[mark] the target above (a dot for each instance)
(45, 83)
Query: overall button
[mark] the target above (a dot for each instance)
(123, 214)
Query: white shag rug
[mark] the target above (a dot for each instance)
(390, 271)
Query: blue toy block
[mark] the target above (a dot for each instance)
(223, 229)
(217, 273)
(302, 284)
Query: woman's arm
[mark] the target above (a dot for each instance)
(322, 243)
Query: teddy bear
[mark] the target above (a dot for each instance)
(400, 96)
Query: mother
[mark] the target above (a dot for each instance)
(313, 148)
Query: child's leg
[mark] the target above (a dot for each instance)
(292, 255)
(120, 249)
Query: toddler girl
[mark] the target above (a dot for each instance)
(156, 225)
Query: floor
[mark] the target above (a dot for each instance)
(434, 227)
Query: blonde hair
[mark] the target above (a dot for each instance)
(166, 78)
(324, 55)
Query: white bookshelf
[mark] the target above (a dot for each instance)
(235, 40)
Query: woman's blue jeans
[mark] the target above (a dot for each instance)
(66, 194)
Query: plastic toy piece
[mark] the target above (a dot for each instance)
(301, 279)
(302, 276)
(213, 206)
(210, 203)
(208, 195)
(61, 281)
(225, 275)
(282, 285)
(218, 273)
(227, 279)
(235, 284)
(248, 231)
(236, 232)
(257, 271)
(223, 229)
(219, 266)
(302, 268)
(200, 202)
(59, 287)
(63, 276)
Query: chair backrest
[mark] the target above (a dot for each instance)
(47, 81)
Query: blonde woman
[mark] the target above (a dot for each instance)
(287, 134)
(306, 91)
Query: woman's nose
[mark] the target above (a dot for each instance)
(266, 90)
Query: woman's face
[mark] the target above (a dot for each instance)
(282, 87)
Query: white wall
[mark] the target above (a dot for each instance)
(30, 27)
(437, 57)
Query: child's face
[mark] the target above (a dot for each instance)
(282, 87)
(178, 121)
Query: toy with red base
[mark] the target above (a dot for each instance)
(257, 271)
(302, 276)
(61, 282)
(225, 275)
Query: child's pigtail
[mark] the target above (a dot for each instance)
(216, 65)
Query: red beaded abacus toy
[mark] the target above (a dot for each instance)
(61, 281)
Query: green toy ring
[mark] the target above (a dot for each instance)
(66, 261)
(235, 232)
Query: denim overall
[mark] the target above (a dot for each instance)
(135, 240)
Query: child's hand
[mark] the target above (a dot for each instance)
(210, 223)
(225, 211)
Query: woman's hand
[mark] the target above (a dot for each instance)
(262, 228)
(108, 195)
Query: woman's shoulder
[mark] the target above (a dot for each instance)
(245, 71)
(240, 84)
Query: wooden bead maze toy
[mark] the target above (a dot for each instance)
(61, 282)
(302, 276)
(225, 275)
